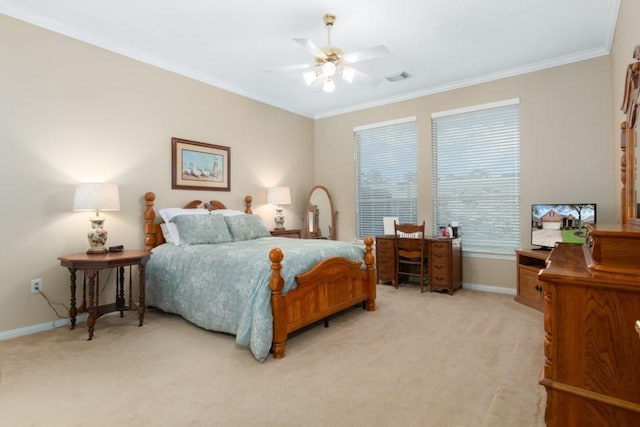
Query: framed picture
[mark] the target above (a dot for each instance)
(200, 166)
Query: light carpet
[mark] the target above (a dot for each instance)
(471, 359)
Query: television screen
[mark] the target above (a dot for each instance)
(552, 223)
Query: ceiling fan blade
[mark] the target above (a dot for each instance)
(311, 47)
(366, 54)
(290, 68)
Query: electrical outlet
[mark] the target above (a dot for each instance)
(36, 286)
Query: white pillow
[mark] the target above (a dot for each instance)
(227, 212)
(167, 214)
(168, 238)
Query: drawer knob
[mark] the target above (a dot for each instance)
(638, 327)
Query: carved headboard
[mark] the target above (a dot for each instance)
(152, 231)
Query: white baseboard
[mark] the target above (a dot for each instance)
(487, 288)
(27, 330)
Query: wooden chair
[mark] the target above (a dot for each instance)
(411, 254)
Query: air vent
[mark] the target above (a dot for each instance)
(398, 76)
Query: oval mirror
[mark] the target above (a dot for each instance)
(319, 218)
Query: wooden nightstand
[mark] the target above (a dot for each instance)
(90, 265)
(293, 233)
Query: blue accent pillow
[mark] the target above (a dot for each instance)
(246, 227)
(202, 229)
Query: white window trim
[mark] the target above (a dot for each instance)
(387, 123)
(479, 107)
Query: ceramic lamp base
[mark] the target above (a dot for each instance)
(279, 219)
(97, 237)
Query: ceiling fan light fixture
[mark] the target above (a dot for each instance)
(328, 68)
(329, 86)
(330, 61)
(309, 77)
(347, 74)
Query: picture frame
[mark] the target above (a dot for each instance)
(200, 166)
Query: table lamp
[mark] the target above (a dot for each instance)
(279, 196)
(96, 197)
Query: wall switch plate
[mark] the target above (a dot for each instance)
(36, 286)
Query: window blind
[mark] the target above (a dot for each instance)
(476, 175)
(386, 161)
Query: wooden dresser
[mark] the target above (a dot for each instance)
(444, 264)
(592, 350)
(592, 305)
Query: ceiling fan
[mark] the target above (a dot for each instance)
(331, 61)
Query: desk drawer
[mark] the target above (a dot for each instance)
(383, 252)
(443, 247)
(439, 268)
(440, 258)
(443, 244)
(440, 279)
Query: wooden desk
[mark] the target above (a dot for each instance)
(90, 265)
(444, 262)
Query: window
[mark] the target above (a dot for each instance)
(386, 161)
(476, 174)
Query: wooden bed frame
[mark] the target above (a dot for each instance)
(331, 286)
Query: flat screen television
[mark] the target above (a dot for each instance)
(553, 223)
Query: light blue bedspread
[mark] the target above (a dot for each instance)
(225, 287)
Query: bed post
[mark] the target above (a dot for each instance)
(278, 306)
(247, 204)
(149, 222)
(369, 260)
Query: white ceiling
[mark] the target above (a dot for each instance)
(441, 44)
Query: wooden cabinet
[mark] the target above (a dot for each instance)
(528, 264)
(385, 259)
(444, 262)
(592, 351)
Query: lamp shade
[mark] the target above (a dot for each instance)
(96, 197)
(278, 196)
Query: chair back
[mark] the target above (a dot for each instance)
(409, 240)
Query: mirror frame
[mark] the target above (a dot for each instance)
(629, 143)
(629, 173)
(305, 232)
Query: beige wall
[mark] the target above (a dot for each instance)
(71, 112)
(566, 154)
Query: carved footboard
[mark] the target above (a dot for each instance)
(333, 285)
